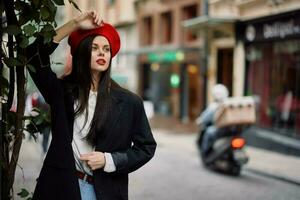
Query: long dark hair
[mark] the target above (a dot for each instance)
(81, 79)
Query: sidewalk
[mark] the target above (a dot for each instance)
(176, 135)
(264, 162)
(272, 164)
(172, 124)
(29, 165)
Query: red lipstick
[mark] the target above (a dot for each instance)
(101, 61)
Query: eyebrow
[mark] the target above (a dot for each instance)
(106, 45)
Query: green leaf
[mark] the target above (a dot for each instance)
(11, 62)
(36, 109)
(23, 19)
(4, 82)
(39, 120)
(44, 13)
(29, 29)
(47, 28)
(12, 30)
(26, 11)
(59, 2)
(36, 18)
(24, 42)
(51, 7)
(24, 193)
(48, 36)
(21, 58)
(18, 5)
(31, 68)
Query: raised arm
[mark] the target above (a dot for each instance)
(88, 20)
(38, 52)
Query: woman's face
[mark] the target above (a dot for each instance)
(100, 56)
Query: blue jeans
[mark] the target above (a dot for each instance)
(208, 139)
(87, 191)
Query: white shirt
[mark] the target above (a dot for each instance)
(79, 143)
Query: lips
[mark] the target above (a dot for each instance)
(101, 61)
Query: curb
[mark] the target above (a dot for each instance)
(269, 175)
(273, 141)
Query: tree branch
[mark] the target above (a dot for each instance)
(12, 20)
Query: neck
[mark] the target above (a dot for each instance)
(95, 81)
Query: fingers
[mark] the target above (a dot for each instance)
(94, 160)
(86, 157)
(94, 164)
(96, 17)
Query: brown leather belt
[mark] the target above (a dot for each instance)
(84, 176)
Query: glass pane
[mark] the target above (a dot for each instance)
(274, 76)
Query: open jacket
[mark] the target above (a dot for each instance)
(127, 137)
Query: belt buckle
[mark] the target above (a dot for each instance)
(85, 177)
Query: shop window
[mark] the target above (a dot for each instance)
(190, 12)
(166, 28)
(273, 76)
(147, 36)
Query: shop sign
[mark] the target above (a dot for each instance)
(174, 80)
(170, 56)
(283, 27)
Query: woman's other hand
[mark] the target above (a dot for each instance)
(88, 20)
(95, 160)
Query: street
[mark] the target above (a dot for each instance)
(175, 173)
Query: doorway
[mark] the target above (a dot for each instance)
(225, 68)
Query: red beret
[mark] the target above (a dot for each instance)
(106, 30)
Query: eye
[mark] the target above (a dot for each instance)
(106, 49)
(94, 48)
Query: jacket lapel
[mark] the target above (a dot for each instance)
(69, 105)
(117, 107)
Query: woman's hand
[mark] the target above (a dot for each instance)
(95, 160)
(88, 20)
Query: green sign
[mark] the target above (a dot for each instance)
(170, 56)
(174, 80)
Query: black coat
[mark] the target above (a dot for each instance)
(129, 138)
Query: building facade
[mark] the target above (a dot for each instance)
(272, 50)
(254, 50)
(168, 57)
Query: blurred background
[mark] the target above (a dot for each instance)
(172, 53)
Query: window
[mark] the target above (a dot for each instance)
(190, 12)
(147, 35)
(166, 28)
(273, 75)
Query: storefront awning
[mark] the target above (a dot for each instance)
(207, 22)
(159, 49)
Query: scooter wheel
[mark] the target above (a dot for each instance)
(235, 170)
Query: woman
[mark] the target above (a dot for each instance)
(100, 132)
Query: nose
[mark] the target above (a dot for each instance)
(100, 52)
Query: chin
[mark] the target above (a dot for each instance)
(100, 68)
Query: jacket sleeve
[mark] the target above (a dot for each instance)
(38, 56)
(143, 145)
